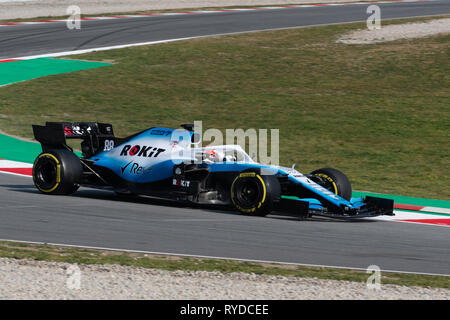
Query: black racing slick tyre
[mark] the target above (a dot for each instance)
(254, 194)
(57, 172)
(335, 181)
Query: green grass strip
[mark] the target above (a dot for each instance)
(18, 150)
(406, 200)
(17, 71)
(89, 256)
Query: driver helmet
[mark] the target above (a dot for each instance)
(213, 155)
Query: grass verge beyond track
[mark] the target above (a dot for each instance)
(379, 112)
(88, 256)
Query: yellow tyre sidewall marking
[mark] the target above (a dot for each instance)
(247, 175)
(58, 172)
(323, 175)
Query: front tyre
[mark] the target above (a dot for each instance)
(253, 194)
(57, 172)
(334, 180)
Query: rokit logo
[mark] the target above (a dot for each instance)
(143, 151)
(181, 183)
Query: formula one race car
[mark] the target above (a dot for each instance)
(169, 163)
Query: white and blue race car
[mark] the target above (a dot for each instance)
(166, 163)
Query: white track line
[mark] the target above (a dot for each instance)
(436, 210)
(410, 215)
(14, 164)
(215, 257)
(400, 216)
(68, 53)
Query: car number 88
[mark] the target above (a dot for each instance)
(109, 144)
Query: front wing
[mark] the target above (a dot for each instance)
(363, 207)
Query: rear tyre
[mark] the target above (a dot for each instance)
(57, 172)
(335, 181)
(253, 194)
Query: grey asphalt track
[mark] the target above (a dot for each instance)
(99, 219)
(26, 40)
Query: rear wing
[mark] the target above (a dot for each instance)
(96, 137)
